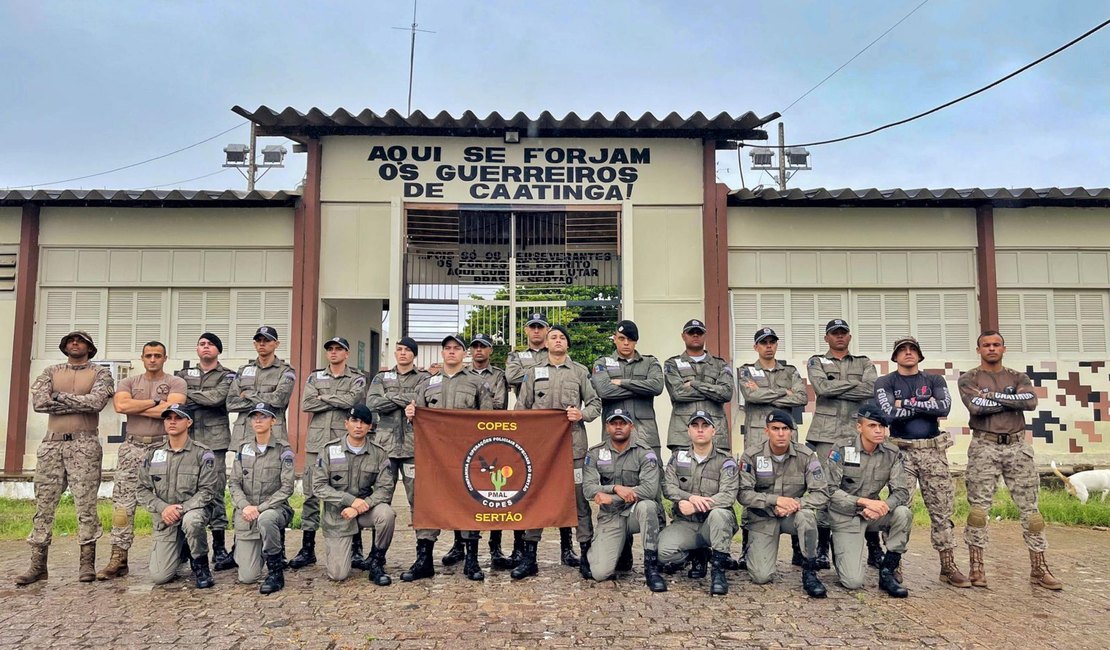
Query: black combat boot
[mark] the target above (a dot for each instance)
(497, 559)
(376, 567)
(796, 557)
(527, 566)
(566, 548)
(584, 563)
(275, 579)
(423, 567)
(874, 549)
(456, 553)
(698, 559)
(307, 554)
(654, 581)
(624, 562)
(824, 537)
(810, 582)
(201, 573)
(471, 569)
(358, 560)
(221, 559)
(514, 557)
(887, 581)
(719, 584)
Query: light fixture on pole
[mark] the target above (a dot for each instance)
(242, 156)
(791, 160)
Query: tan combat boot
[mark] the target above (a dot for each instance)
(950, 573)
(117, 565)
(1040, 575)
(87, 572)
(38, 567)
(978, 576)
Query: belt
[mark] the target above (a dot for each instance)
(936, 442)
(53, 436)
(1000, 438)
(145, 440)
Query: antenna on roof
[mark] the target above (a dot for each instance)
(412, 51)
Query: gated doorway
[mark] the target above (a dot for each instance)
(485, 269)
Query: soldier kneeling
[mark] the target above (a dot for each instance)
(261, 483)
(176, 483)
(354, 482)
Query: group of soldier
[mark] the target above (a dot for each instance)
(868, 435)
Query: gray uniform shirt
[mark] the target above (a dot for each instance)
(637, 467)
(549, 386)
(462, 390)
(498, 385)
(765, 390)
(763, 479)
(390, 392)
(641, 380)
(709, 389)
(855, 473)
(186, 476)
(716, 477)
(263, 479)
(518, 363)
(343, 476)
(840, 385)
(329, 398)
(206, 395)
(273, 385)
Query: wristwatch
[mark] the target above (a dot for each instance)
(157, 402)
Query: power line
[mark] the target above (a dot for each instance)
(845, 64)
(143, 162)
(958, 99)
(187, 180)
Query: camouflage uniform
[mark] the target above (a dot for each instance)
(840, 385)
(264, 479)
(329, 399)
(710, 388)
(715, 477)
(271, 385)
(390, 392)
(187, 477)
(996, 401)
(779, 388)
(206, 396)
(70, 454)
(637, 467)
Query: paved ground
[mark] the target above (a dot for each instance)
(558, 609)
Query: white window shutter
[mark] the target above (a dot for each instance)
(63, 310)
(247, 306)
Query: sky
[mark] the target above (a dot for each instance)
(94, 86)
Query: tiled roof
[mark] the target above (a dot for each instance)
(212, 198)
(948, 197)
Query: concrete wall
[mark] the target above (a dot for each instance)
(10, 220)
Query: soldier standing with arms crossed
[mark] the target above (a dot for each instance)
(329, 395)
(207, 385)
(143, 399)
(697, 381)
(267, 379)
(481, 346)
(914, 402)
(73, 394)
(841, 381)
(559, 382)
(996, 396)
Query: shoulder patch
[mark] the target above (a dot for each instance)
(651, 458)
(834, 456)
(287, 456)
(289, 374)
(208, 458)
(729, 467)
(586, 460)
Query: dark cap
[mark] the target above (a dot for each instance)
(619, 414)
(693, 324)
(264, 408)
(84, 336)
(338, 340)
(213, 339)
(629, 329)
(700, 415)
(536, 318)
(907, 340)
(409, 343)
(457, 338)
(837, 324)
(481, 339)
(870, 410)
(765, 333)
(178, 410)
(782, 417)
(560, 328)
(266, 332)
(361, 412)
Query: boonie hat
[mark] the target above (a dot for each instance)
(907, 340)
(84, 336)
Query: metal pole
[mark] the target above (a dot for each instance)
(512, 280)
(782, 157)
(252, 164)
(412, 56)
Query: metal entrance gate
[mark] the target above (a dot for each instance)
(485, 270)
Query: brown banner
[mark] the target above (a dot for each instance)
(491, 470)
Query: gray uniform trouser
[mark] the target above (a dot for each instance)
(217, 510)
(405, 472)
(763, 542)
(310, 511)
(381, 519)
(614, 529)
(585, 530)
(249, 552)
(165, 549)
(848, 542)
(682, 535)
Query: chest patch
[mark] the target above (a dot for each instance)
(248, 449)
(757, 373)
(764, 466)
(682, 365)
(525, 355)
(160, 457)
(193, 372)
(543, 373)
(249, 371)
(604, 456)
(436, 380)
(851, 456)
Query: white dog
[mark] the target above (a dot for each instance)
(1081, 484)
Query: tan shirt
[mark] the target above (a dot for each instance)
(142, 388)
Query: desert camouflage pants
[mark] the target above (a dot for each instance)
(67, 463)
(986, 461)
(929, 467)
(125, 491)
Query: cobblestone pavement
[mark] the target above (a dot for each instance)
(558, 609)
